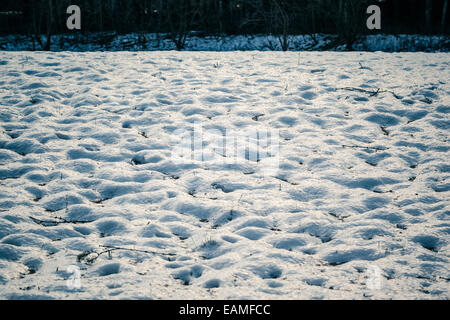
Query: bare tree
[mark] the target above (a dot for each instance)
(282, 23)
(350, 20)
(180, 15)
(428, 7)
(276, 19)
(43, 23)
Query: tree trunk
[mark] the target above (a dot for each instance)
(220, 17)
(444, 15)
(100, 9)
(397, 12)
(428, 16)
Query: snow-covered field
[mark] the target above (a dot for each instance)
(358, 208)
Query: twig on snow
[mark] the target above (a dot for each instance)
(59, 220)
(89, 257)
(370, 92)
(364, 147)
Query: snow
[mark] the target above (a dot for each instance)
(90, 175)
(195, 42)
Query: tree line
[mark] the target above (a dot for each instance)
(178, 18)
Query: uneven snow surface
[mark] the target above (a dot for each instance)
(359, 207)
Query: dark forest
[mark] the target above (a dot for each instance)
(178, 18)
